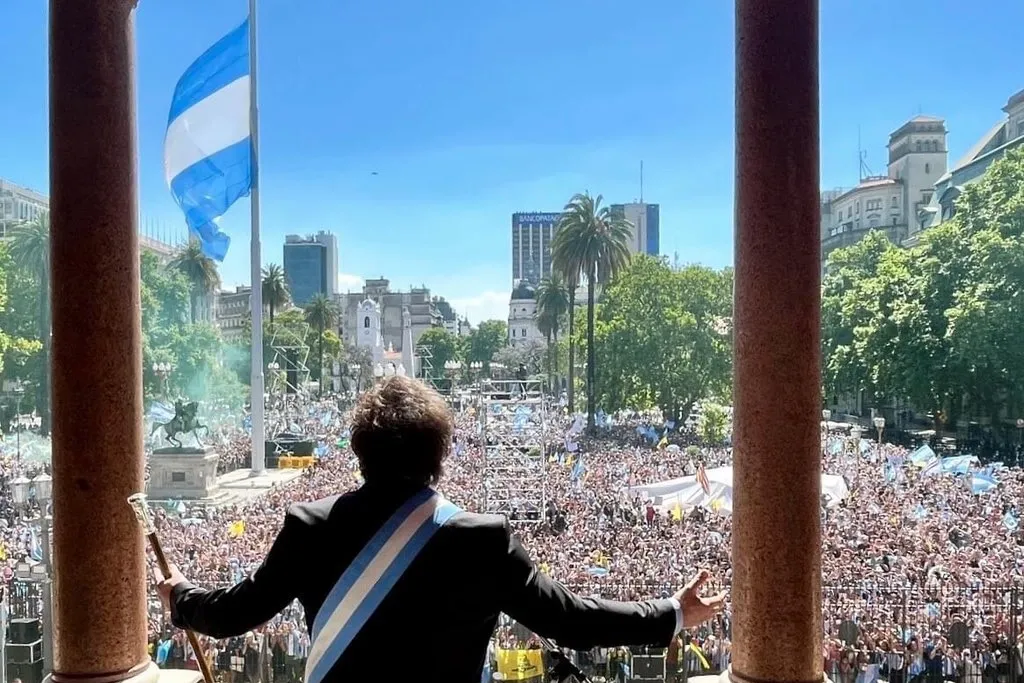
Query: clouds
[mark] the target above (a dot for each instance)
(487, 305)
(349, 282)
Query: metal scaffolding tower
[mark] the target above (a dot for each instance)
(514, 429)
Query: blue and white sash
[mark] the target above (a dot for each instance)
(371, 576)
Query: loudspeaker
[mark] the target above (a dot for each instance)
(649, 666)
(29, 672)
(25, 630)
(25, 653)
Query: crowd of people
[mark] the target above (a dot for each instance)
(919, 567)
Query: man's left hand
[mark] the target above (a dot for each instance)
(698, 609)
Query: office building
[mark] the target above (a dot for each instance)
(646, 221)
(232, 314)
(19, 204)
(311, 266)
(531, 245)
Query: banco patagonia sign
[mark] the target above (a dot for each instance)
(537, 217)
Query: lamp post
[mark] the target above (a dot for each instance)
(163, 371)
(826, 415)
(1020, 431)
(39, 490)
(354, 372)
(879, 423)
(855, 434)
(17, 387)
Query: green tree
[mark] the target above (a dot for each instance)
(526, 356)
(168, 336)
(663, 337)
(200, 270)
(321, 314)
(275, 290)
(936, 325)
(6, 336)
(713, 423)
(552, 307)
(444, 346)
(592, 240)
(487, 339)
(30, 249)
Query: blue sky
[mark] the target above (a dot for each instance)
(468, 111)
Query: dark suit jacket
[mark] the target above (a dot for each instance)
(436, 621)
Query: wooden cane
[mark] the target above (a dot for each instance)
(141, 509)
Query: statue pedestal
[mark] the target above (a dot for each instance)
(182, 474)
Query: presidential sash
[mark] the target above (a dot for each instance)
(371, 576)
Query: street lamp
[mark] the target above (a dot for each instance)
(826, 415)
(879, 423)
(1020, 431)
(18, 389)
(25, 491)
(163, 371)
(273, 367)
(378, 371)
(855, 434)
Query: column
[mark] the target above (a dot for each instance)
(776, 554)
(100, 580)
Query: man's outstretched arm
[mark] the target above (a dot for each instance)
(551, 610)
(226, 612)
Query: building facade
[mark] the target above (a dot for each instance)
(522, 310)
(1006, 135)
(917, 159)
(422, 313)
(531, 245)
(232, 313)
(19, 204)
(311, 266)
(646, 221)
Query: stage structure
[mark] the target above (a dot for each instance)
(287, 374)
(426, 356)
(514, 430)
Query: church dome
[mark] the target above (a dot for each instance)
(524, 290)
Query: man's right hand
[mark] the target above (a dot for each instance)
(697, 609)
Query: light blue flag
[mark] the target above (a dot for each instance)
(981, 482)
(922, 455)
(578, 469)
(208, 159)
(958, 464)
(1010, 520)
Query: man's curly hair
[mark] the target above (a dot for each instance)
(401, 431)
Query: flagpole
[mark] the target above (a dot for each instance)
(256, 297)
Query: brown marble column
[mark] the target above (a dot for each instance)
(99, 565)
(776, 593)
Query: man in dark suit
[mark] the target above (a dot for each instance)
(450, 596)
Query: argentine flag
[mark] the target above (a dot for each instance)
(208, 159)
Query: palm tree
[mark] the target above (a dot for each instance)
(30, 248)
(275, 289)
(592, 241)
(321, 313)
(552, 304)
(199, 269)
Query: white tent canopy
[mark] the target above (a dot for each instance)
(687, 493)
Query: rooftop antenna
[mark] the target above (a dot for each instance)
(862, 159)
(641, 181)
